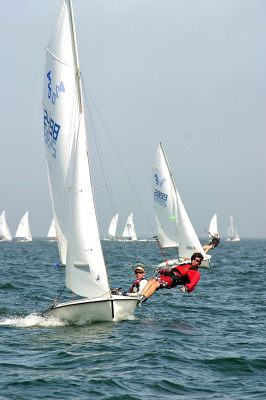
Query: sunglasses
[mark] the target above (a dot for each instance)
(139, 272)
(198, 261)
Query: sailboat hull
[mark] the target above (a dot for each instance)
(206, 263)
(115, 308)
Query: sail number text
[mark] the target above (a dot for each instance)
(51, 132)
(160, 198)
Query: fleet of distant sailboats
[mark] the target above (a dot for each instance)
(129, 232)
(166, 218)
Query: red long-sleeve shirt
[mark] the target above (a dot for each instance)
(192, 274)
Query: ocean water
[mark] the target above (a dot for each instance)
(206, 345)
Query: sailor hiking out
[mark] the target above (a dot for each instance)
(185, 275)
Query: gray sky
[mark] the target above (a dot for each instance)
(188, 73)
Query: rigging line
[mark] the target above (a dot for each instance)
(93, 130)
(118, 157)
(160, 247)
(54, 302)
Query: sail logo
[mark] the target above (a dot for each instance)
(53, 95)
(51, 132)
(160, 198)
(158, 181)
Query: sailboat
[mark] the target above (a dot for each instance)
(51, 235)
(129, 232)
(113, 227)
(67, 158)
(174, 228)
(4, 229)
(233, 235)
(213, 227)
(23, 233)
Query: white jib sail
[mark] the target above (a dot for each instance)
(4, 229)
(67, 159)
(213, 228)
(113, 226)
(129, 231)
(164, 200)
(23, 230)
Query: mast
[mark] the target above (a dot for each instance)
(76, 58)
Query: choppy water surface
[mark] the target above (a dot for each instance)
(206, 345)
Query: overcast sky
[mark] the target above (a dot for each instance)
(188, 73)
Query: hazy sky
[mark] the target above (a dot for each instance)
(188, 73)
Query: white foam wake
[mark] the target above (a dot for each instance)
(32, 320)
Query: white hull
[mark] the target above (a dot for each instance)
(116, 308)
(177, 261)
(232, 240)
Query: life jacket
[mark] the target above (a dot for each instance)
(135, 286)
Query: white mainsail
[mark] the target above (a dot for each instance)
(165, 195)
(129, 232)
(52, 231)
(5, 234)
(213, 228)
(23, 232)
(113, 227)
(68, 162)
(164, 202)
(233, 235)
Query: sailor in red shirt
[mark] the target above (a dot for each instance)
(186, 275)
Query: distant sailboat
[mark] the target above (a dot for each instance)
(113, 227)
(52, 231)
(129, 232)
(23, 233)
(233, 235)
(174, 227)
(68, 159)
(4, 229)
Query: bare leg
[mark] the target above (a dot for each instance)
(150, 288)
(207, 247)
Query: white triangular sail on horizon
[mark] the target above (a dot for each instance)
(233, 235)
(165, 192)
(129, 232)
(5, 234)
(52, 231)
(67, 158)
(23, 232)
(113, 227)
(213, 227)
